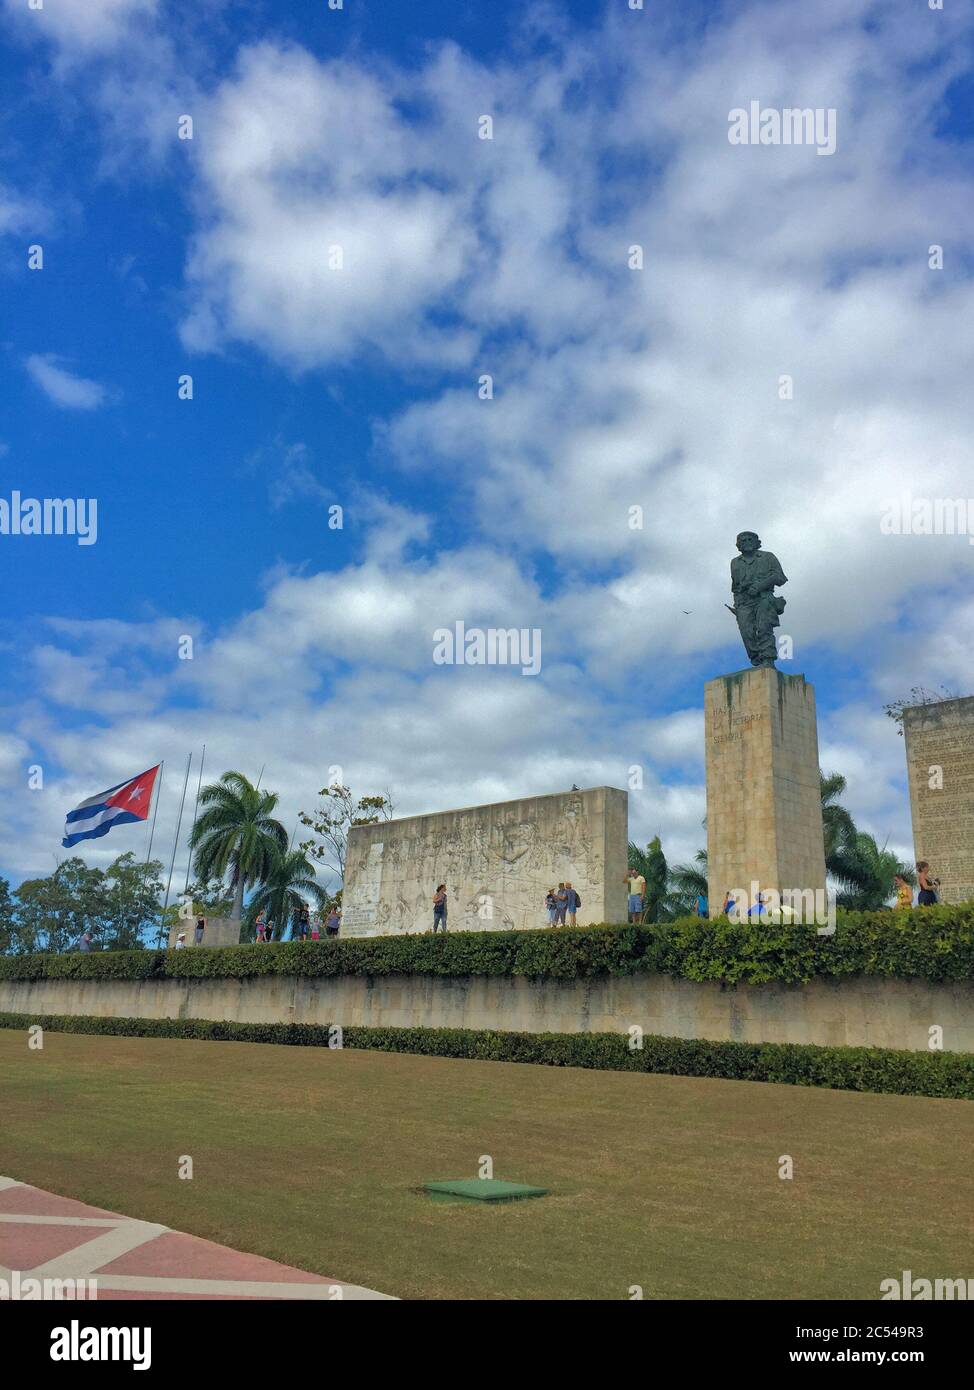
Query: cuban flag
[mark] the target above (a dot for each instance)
(120, 805)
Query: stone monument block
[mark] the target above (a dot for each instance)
(497, 861)
(764, 809)
(940, 767)
(219, 931)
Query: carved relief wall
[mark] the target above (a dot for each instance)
(498, 862)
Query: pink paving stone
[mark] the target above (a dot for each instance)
(26, 1247)
(178, 1256)
(33, 1201)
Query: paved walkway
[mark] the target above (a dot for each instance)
(49, 1237)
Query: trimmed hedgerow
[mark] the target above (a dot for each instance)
(932, 943)
(944, 1074)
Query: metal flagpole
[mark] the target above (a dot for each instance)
(152, 830)
(199, 784)
(172, 861)
(155, 812)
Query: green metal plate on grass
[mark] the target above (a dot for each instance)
(482, 1190)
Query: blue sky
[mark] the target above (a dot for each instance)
(613, 388)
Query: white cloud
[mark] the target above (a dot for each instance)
(613, 388)
(81, 27)
(63, 387)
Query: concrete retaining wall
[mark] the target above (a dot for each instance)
(852, 1013)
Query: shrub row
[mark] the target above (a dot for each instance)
(945, 1074)
(934, 943)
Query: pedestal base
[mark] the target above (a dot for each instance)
(764, 808)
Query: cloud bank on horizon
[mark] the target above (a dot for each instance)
(700, 334)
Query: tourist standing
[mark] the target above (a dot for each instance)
(904, 893)
(334, 920)
(180, 942)
(316, 928)
(200, 928)
(304, 922)
(552, 907)
(261, 926)
(728, 903)
(702, 905)
(574, 903)
(928, 886)
(84, 944)
(561, 904)
(636, 885)
(439, 907)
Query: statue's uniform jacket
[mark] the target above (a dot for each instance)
(753, 582)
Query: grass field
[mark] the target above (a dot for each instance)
(314, 1157)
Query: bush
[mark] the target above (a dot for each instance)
(945, 1074)
(931, 943)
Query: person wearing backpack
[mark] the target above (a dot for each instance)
(574, 903)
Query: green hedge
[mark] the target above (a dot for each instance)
(945, 1074)
(933, 943)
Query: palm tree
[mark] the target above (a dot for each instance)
(286, 887)
(670, 893)
(651, 863)
(236, 835)
(687, 882)
(838, 826)
(864, 872)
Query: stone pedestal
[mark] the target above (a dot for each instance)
(219, 931)
(940, 762)
(764, 808)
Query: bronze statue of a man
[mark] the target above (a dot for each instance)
(754, 574)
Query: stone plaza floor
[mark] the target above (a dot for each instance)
(46, 1237)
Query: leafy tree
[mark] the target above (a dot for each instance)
(130, 900)
(289, 883)
(332, 821)
(236, 835)
(211, 899)
(8, 925)
(53, 912)
(919, 695)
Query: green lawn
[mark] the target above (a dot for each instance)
(314, 1157)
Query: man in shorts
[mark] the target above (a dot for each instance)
(636, 887)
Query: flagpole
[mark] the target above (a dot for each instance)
(199, 784)
(152, 828)
(172, 861)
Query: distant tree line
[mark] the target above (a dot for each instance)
(50, 914)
